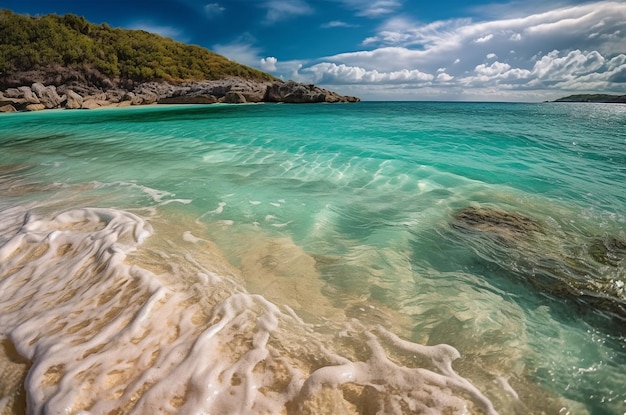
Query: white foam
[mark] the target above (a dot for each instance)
(104, 334)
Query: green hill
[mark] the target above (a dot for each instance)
(598, 98)
(51, 41)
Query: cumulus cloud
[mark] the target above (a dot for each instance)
(484, 39)
(269, 64)
(343, 74)
(278, 10)
(578, 48)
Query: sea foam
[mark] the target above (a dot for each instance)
(104, 334)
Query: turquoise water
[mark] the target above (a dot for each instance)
(352, 215)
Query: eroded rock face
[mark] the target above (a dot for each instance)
(82, 92)
(589, 272)
(47, 95)
(74, 101)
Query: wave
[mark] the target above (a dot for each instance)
(113, 322)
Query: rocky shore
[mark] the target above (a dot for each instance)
(37, 96)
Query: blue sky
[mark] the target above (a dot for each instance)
(394, 49)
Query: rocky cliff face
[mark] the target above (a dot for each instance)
(76, 93)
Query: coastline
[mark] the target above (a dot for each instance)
(38, 96)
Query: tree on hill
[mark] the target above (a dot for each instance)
(30, 43)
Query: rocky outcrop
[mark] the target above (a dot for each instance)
(293, 92)
(589, 273)
(7, 108)
(74, 101)
(81, 94)
(48, 95)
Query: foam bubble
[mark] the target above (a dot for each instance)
(106, 334)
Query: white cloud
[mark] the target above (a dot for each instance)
(330, 73)
(269, 64)
(278, 10)
(484, 39)
(165, 31)
(213, 10)
(242, 51)
(536, 56)
(336, 23)
(373, 8)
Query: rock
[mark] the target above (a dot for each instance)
(293, 92)
(527, 250)
(133, 99)
(7, 108)
(47, 95)
(35, 107)
(90, 103)
(506, 224)
(28, 95)
(115, 95)
(233, 97)
(19, 104)
(608, 251)
(148, 97)
(74, 101)
(97, 91)
(13, 93)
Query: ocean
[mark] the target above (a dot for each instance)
(370, 258)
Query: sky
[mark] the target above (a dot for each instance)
(449, 50)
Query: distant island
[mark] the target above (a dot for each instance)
(597, 98)
(65, 61)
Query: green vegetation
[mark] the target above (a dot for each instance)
(28, 43)
(600, 98)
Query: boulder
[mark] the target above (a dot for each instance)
(90, 103)
(233, 97)
(35, 107)
(115, 95)
(543, 257)
(48, 95)
(13, 93)
(132, 98)
(296, 93)
(80, 91)
(7, 108)
(74, 101)
(148, 97)
(28, 95)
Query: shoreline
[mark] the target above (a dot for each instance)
(38, 96)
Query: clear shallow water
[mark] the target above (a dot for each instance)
(388, 257)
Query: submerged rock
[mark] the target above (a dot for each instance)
(506, 224)
(527, 250)
(608, 251)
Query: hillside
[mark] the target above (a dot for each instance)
(598, 98)
(52, 61)
(50, 43)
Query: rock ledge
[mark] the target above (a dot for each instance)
(75, 95)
